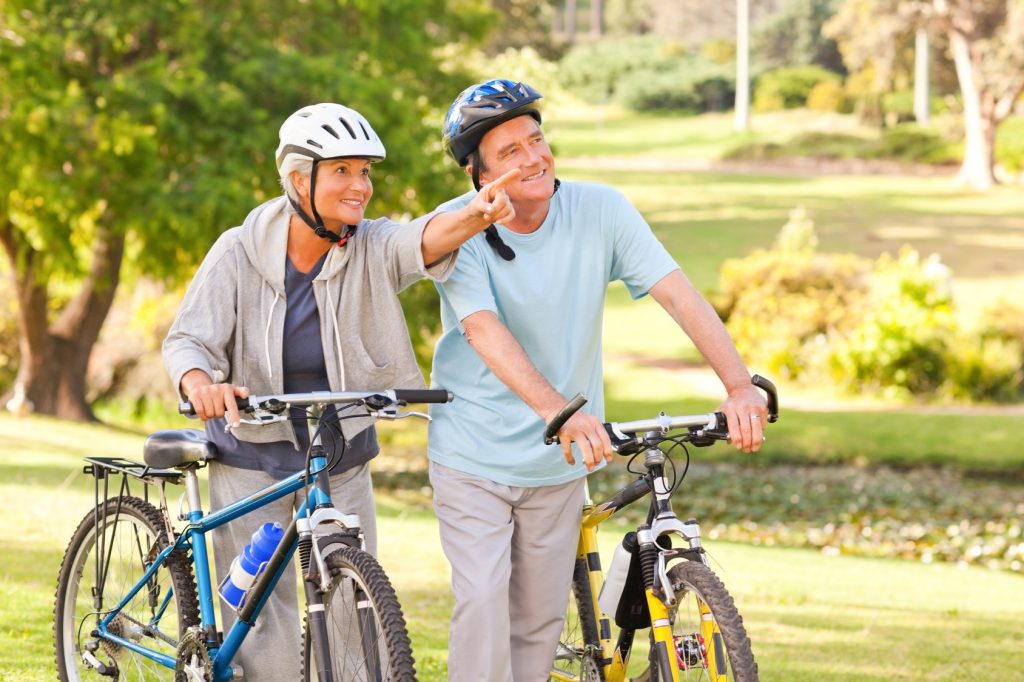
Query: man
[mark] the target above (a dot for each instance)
(522, 327)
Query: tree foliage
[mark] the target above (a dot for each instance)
(986, 41)
(792, 37)
(137, 132)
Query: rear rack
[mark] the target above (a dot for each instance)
(101, 467)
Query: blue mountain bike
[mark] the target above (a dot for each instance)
(135, 599)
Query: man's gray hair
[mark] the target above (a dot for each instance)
(294, 162)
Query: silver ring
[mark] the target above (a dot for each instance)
(754, 416)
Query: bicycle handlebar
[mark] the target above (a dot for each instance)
(396, 396)
(713, 424)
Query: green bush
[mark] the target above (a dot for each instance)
(594, 71)
(909, 142)
(886, 328)
(693, 86)
(788, 88)
(1010, 145)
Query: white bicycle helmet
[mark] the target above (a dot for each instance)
(319, 132)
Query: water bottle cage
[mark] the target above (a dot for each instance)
(248, 589)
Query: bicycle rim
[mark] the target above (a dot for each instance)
(710, 641)
(130, 535)
(367, 637)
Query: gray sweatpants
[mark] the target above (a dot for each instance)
(512, 551)
(272, 650)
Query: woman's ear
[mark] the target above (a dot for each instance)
(301, 184)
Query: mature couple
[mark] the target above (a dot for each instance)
(303, 296)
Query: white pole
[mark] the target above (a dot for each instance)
(922, 108)
(742, 120)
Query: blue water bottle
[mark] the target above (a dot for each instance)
(248, 565)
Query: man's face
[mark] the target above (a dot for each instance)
(519, 143)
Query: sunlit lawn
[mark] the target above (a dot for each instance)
(811, 617)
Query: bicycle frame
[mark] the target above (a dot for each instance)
(194, 537)
(661, 521)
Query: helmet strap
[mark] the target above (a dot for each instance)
(490, 232)
(316, 223)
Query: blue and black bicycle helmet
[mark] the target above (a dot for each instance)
(479, 109)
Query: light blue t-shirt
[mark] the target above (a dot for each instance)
(551, 297)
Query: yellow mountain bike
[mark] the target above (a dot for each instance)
(667, 588)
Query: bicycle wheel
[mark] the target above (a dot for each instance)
(579, 644)
(715, 648)
(367, 639)
(102, 561)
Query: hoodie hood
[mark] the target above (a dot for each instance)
(265, 240)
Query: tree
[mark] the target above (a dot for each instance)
(134, 133)
(986, 40)
(792, 37)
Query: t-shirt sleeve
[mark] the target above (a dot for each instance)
(638, 258)
(468, 289)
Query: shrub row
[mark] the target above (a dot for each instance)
(884, 328)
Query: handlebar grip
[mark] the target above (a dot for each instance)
(413, 395)
(773, 396)
(568, 410)
(188, 410)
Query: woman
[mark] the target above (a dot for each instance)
(302, 297)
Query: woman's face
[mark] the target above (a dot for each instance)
(343, 189)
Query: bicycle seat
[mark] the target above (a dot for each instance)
(177, 448)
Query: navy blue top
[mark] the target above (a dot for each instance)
(304, 370)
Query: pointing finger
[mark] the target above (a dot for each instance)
(494, 187)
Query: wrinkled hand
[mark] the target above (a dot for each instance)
(491, 204)
(216, 400)
(591, 438)
(746, 412)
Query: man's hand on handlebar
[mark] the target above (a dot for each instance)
(746, 412)
(590, 436)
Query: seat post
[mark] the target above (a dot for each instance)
(195, 502)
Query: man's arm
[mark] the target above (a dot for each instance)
(503, 355)
(446, 231)
(745, 408)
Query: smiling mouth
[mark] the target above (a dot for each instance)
(535, 176)
(352, 202)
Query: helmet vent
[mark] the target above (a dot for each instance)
(348, 127)
(314, 143)
(365, 134)
(331, 131)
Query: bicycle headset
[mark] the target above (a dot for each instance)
(478, 110)
(324, 132)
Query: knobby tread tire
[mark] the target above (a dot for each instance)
(402, 666)
(82, 540)
(694, 576)
(585, 617)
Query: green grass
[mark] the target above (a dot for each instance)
(811, 617)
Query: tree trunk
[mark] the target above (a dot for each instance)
(596, 18)
(980, 122)
(54, 358)
(570, 21)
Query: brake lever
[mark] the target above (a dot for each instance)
(391, 413)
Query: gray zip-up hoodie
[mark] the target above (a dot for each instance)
(231, 321)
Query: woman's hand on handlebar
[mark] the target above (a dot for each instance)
(210, 400)
(591, 438)
(746, 412)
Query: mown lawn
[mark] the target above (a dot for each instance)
(811, 616)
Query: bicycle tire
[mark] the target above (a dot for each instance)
(579, 639)
(694, 582)
(133, 532)
(361, 601)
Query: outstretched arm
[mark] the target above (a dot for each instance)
(503, 355)
(448, 230)
(745, 407)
